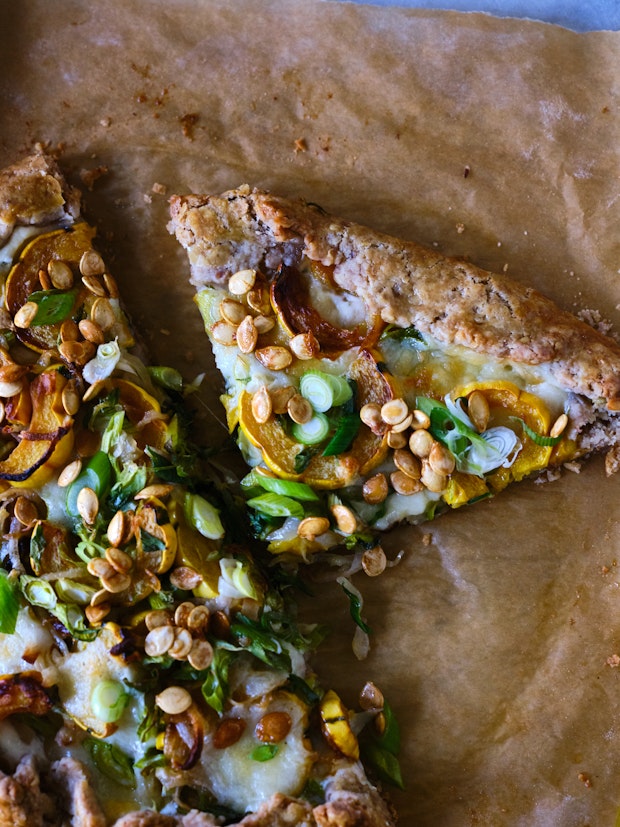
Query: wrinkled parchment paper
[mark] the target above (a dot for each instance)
(497, 637)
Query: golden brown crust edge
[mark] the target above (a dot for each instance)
(34, 192)
(407, 284)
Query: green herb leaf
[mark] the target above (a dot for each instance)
(289, 488)
(400, 334)
(9, 605)
(355, 606)
(215, 686)
(264, 752)
(385, 764)
(112, 762)
(346, 431)
(53, 306)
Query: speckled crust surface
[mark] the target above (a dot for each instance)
(407, 284)
(34, 191)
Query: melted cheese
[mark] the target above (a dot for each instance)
(243, 783)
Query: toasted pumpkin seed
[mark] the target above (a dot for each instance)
(241, 282)
(26, 511)
(264, 324)
(421, 443)
(44, 280)
(117, 582)
(69, 473)
(69, 331)
(371, 697)
(87, 505)
(375, 489)
(174, 700)
(157, 618)
(119, 560)
(102, 313)
(232, 311)
(404, 484)
(182, 645)
(374, 561)
(299, 409)
(441, 460)
(116, 529)
(159, 640)
(91, 264)
(274, 357)
(247, 335)
(311, 527)
(185, 577)
(258, 300)
(559, 426)
(198, 620)
(60, 274)
(262, 405)
(280, 397)
(96, 614)
(224, 333)
(394, 411)
(478, 410)
(70, 398)
(91, 331)
(305, 345)
(433, 480)
(346, 520)
(200, 655)
(182, 613)
(25, 315)
(406, 462)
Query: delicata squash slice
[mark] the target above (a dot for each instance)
(475, 381)
(142, 651)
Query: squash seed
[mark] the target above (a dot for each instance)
(406, 462)
(371, 697)
(274, 357)
(394, 411)
(198, 620)
(96, 614)
(262, 405)
(60, 274)
(93, 285)
(432, 480)
(224, 333)
(44, 280)
(111, 286)
(441, 460)
(158, 641)
(156, 618)
(69, 331)
(182, 613)
(117, 582)
(559, 426)
(305, 345)
(182, 645)
(116, 529)
(396, 439)
(200, 655)
(69, 473)
(420, 420)
(280, 397)
(258, 300)
(185, 577)
(374, 561)
(91, 264)
(241, 282)
(174, 700)
(88, 505)
(70, 398)
(478, 410)
(299, 409)
(312, 527)
(102, 313)
(404, 484)
(346, 520)
(120, 561)
(264, 324)
(25, 511)
(375, 489)
(91, 331)
(25, 315)
(247, 335)
(232, 311)
(421, 443)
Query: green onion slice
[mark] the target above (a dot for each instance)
(108, 701)
(324, 390)
(264, 752)
(203, 516)
(539, 439)
(289, 488)
(312, 432)
(277, 505)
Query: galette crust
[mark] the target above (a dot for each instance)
(406, 284)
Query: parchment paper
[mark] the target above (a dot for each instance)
(496, 639)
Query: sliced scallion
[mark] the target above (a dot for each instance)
(539, 439)
(318, 389)
(108, 701)
(203, 516)
(290, 488)
(313, 431)
(277, 505)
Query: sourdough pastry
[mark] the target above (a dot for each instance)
(460, 381)
(150, 672)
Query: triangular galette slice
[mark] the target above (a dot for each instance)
(150, 674)
(391, 381)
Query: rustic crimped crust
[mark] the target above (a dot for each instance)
(34, 191)
(66, 796)
(403, 282)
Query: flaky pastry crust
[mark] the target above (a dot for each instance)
(406, 284)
